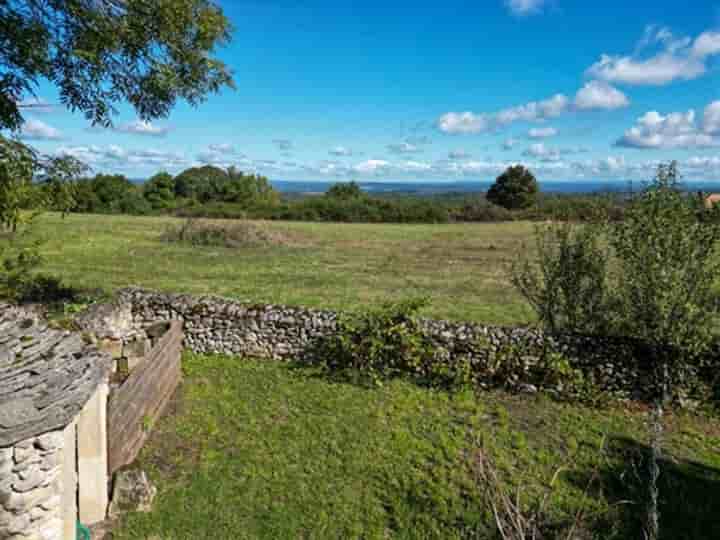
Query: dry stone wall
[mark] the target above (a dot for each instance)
(219, 325)
(30, 487)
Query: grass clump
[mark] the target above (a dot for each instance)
(229, 234)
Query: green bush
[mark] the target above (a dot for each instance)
(381, 344)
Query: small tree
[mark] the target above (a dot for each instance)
(59, 176)
(160, 190)
(18, 163)
(345, 190)
(514, 189)
(659, 292)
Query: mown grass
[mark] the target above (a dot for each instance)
(461, 267)
(256, 449)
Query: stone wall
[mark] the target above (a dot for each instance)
(30, 488)
(219, 325)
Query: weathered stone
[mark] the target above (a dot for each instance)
(113, 320)
(50, 441)
(132, 492)
(113, 347)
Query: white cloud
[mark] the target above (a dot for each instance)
(542, 152)
(465, 122)
(706, 44)
(341, 151)
(34, 129)
(711, 118)
(404, 148)
(36, 105)
(542, 133)
(371, 166)
(535, 111)
(674, 130)
(221, 155)
(141, 127)
(599, 95)
(677, 59)
(523, 8)
(118, 157)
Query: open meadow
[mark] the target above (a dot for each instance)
(462, 268)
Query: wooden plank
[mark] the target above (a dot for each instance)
(144, 395)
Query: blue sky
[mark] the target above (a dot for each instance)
(452, 90)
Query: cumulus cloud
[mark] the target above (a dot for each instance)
(674, 130)
(599, 95)
(523, 8)
(36, 130)
(341, 151)
(404, 148)
(671, 59)
(542, 133)
(141, 127)
(534, 111)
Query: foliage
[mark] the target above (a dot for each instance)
(19, 259)
(18, 163)
(159, 190)
(213, 184)
(381, 344)
(652, 281)
(58, 178)
(104, 52)
(347, 190)
(515, 188)
(567, 284)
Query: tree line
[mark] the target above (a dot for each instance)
(214, 192)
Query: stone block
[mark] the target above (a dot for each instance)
(113, 347)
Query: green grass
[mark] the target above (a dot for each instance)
(255, 449)
(462, 267)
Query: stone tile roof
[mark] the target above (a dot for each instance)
(46, 375)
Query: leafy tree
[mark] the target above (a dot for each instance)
(160, 190)
(17, 166)
(59, 178)
(102, 52)
(515, 188)
(345, 190)
(651, 281)
(199, 182)
(110, 189)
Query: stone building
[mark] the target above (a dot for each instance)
(53, 443)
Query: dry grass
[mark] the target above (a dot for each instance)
(226, 233)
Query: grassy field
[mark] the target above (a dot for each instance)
(462, 268)
(264, 450)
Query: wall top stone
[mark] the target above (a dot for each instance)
(46, 375)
